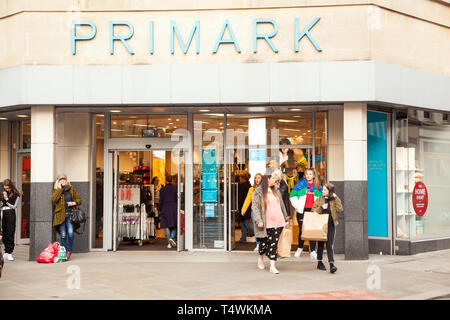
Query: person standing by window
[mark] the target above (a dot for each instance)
(64, 197)
(10, 200)
(328, 203)
(270, 219)
(302, 197)
(245, 217)
(168, 202)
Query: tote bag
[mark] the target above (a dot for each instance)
(315, 226)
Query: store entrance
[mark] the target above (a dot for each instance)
(148, 200)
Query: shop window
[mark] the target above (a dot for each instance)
(422, 156)
(137, 126)
(25, 134)
(208, 184)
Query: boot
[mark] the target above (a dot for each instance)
(333, 268)
(68, 255)
(321, 266)
(273, 269)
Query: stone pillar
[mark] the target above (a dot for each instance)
(336, 168)
(42, 175)
(73, 151)
(355, 181)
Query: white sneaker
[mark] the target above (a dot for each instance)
(298, 253)
(5, 256)
(169, 246)
(313, 256)
(256, 248)
(274, 270)
(172, 242)
(10, 257)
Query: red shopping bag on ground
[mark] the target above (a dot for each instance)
(49, 254)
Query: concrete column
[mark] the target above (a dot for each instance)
(336, 168)
(355, 181)
(72, 155)
(42, 175)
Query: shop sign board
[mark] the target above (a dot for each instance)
(420, 198)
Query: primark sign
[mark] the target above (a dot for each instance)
(186, 37)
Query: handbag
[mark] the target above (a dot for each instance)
(285, 242)
(315, 226)
(78, 217)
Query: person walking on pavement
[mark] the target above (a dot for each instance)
(245, 217)
(248, 201)
(328, 203)
(10, 201)
(167, 206)
(270, 219)
(65, 197)
(302, 198)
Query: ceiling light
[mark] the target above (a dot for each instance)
(215, 114)
(295, 109)
(285, 120)
(115, 111)
(204, 110)
(3, 118)
(117, 130)
(139, 125)
(100, 115)
(170, 122)
(178, 119)
(22, 116)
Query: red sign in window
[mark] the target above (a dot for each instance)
(420, 198)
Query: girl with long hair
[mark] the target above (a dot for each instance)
(328, 203)
(10, 201)
(248, 200)
(302, 197)
(270, 218)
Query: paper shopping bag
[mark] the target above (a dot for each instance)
(285, 242)
(315, 226)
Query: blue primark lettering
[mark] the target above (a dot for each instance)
(232, 40)
(185, 47)
(151, 38)
(121, 38)
(264, 36)
(195, 31)
(77, 38)
(305, 32)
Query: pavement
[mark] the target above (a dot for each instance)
(167, 275)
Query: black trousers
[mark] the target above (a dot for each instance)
(312, 244)
(330, 241)
(9, 229)
(269, 245)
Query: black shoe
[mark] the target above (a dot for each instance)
(333, 269)
(321, 266)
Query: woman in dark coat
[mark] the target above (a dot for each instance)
(168, 202)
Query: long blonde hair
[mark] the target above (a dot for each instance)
(315, 179)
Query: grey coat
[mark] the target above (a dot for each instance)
(259, 211)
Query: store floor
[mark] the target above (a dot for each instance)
(159, 244)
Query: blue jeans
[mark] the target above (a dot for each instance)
(256, 239)
(249, 225)
(171, 233)
(66, 236)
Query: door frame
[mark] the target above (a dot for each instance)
(110, 191)
(19, 167)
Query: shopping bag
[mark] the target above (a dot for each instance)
(315, 226)
(49, 254)
(285, 242)
(62, 254)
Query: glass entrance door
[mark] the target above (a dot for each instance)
(23, 210)
(136, 176)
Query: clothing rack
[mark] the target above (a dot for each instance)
(136, 216)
